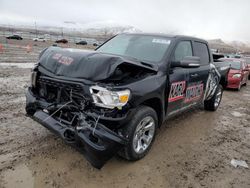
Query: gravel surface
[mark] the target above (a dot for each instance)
(193, 150)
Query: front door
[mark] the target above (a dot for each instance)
(178, 77)
(198, 76)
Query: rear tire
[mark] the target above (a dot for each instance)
(140, 131)
(213, 103)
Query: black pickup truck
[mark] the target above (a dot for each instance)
(112, 100)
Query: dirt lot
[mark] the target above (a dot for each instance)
(193, 150)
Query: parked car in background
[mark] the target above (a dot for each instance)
(237, 56)
(39, 39)
(16, 37)
(238, 73)
(82, 42)
(64, 41)
(248, 65)
(97, 43)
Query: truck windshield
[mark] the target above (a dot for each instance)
(141, 47)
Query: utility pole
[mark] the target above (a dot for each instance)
(36, 28)
(62, 32)
(10, 29)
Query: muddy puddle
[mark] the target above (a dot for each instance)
(237, 114)
(18, 65)
(20, 177)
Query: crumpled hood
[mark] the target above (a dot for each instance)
(85, 64)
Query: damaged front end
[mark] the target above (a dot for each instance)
(65, 110)
(95, 140)
(87, 113)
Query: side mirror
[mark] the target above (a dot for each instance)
(187, 62)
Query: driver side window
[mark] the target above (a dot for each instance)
(183, 49)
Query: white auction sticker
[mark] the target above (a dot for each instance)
(161, 41)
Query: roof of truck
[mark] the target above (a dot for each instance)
(167, 35)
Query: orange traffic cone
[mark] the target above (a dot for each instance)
(1, 48)
(29, 48)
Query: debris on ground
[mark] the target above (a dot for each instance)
(239, 163)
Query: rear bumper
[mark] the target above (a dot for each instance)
(98, 144)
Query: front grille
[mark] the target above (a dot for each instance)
(54, 91)
(59, 84)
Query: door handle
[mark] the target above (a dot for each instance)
(194, 75)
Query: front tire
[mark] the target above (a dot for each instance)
(140, 131)
(213, 103)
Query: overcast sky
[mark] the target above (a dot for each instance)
(226, 19)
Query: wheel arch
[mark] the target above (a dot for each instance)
(156, 104)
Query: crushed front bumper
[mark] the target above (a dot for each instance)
(98, 144)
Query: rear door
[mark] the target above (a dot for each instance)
(198, 76)
(178, 77)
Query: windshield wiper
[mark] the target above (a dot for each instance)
(146, 64)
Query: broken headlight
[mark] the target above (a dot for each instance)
(109, 99)
(33, 77)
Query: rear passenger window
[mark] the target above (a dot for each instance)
(201, 50)
(183, 49)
